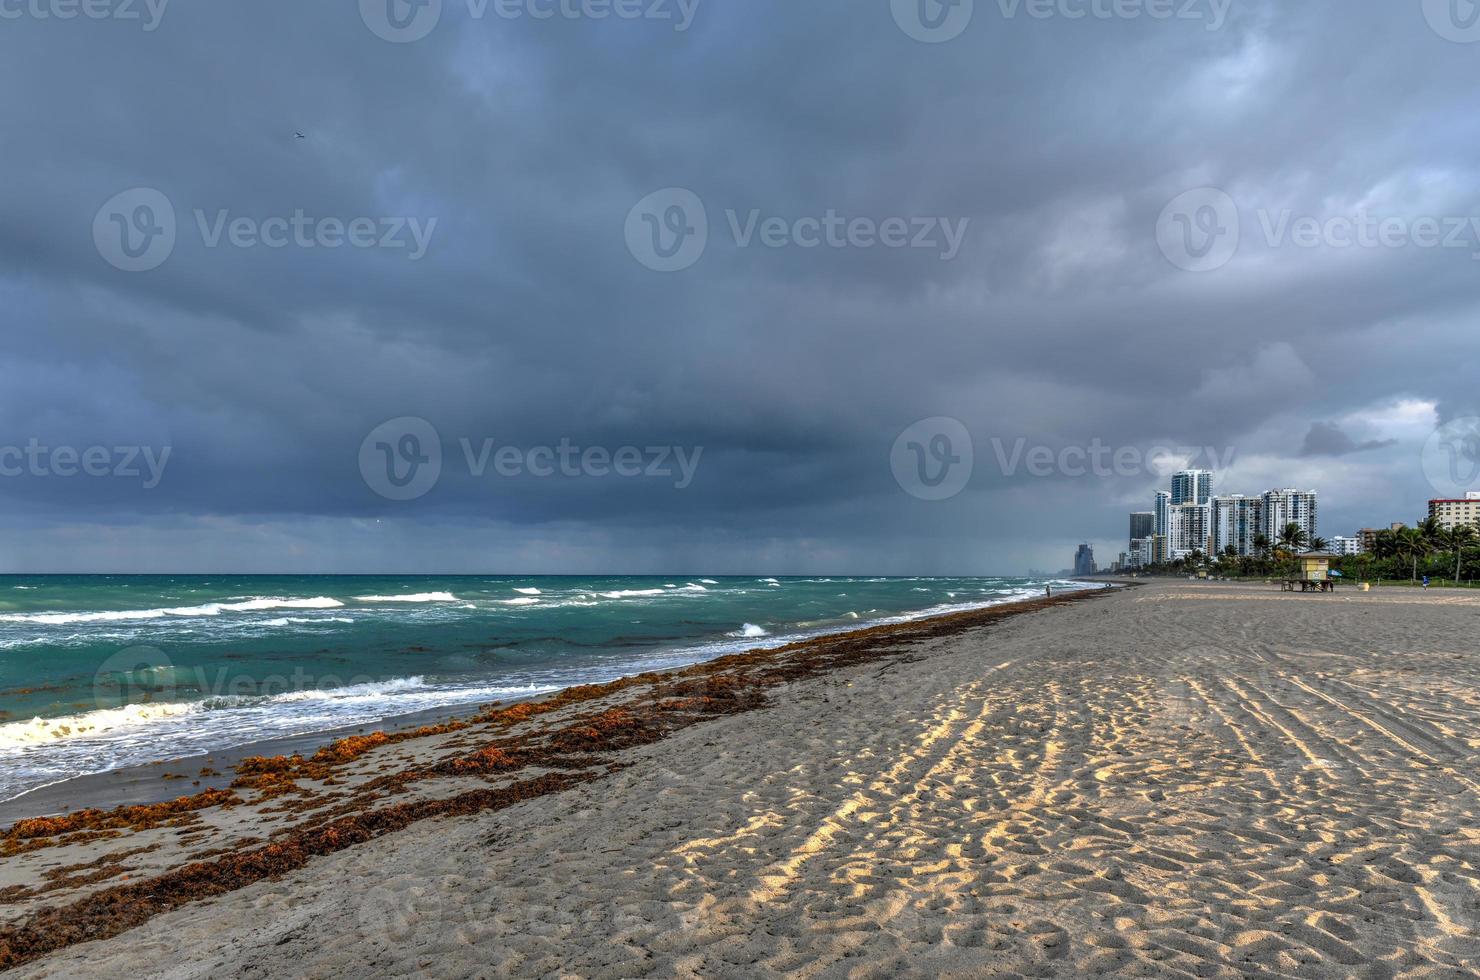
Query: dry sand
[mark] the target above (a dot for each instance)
(1178, 780)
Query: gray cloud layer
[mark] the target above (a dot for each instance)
(1060, 322)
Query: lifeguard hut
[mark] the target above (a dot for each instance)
(1312, 573)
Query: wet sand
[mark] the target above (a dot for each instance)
(1183, 779)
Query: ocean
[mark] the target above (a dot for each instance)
(102, 672)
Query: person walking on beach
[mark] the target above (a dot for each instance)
(1049, 590)
(1426, 583)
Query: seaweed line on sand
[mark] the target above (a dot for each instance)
(558, 758)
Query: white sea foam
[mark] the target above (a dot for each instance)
(520, 602)
(133, 734)
(208, 609)
(631, 593)
(89, 723)
(708, 581)
(529, 591)
(418, 597)
(750, 630)
(399, 685)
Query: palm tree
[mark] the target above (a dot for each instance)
(1413, 544)
(1293, 538)
(1456, 538)
(1318, 544)
(1261, 544)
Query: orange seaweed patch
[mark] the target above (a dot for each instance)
(25, 832)
(488, 760)
(111, 911)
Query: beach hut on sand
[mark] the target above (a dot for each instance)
(1312, 573)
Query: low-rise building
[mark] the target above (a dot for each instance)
(1345, 546)
(1452, 513)
(1368, 536)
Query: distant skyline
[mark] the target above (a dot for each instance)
(778, 242)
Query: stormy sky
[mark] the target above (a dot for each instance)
(280, 280)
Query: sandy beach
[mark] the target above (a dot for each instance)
(1179, 779)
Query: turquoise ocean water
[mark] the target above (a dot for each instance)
(99, 672)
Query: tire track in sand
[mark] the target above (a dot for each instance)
(937, 746)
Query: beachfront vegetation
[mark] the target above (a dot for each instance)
(1447, 556)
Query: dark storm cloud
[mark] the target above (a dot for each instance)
(1055, 143)
(1327, 439)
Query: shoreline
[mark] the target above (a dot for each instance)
(152, 782)
(1188, 779)
(209, 844)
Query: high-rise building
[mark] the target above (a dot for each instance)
(1452, 513)
(1192, 487)
(1189, 529)
(1237, 520)
(1084, 561)
(1284, 507)
(1143, 524)
(1163, 505)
